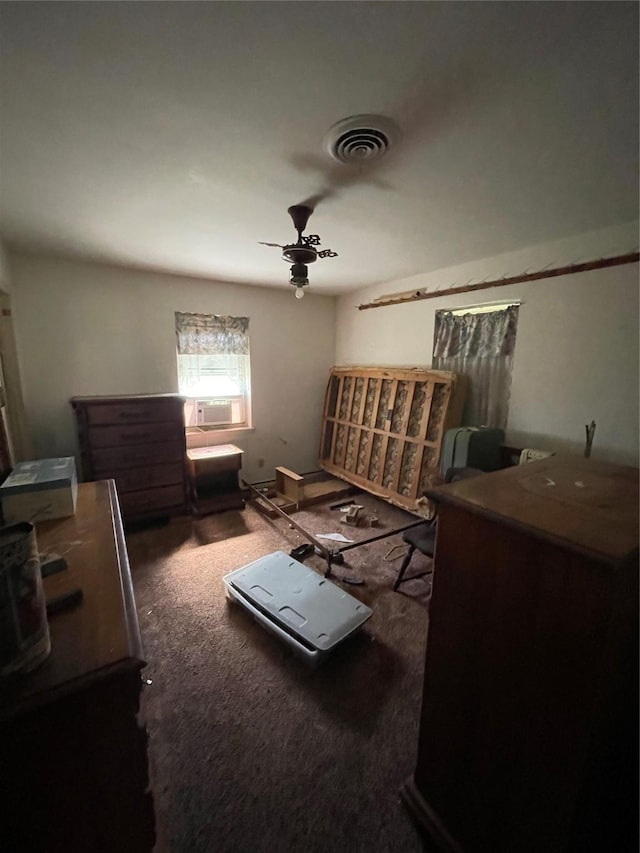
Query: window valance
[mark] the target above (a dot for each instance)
(211, 334)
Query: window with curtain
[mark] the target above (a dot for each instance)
(214, 369)
(479, 343)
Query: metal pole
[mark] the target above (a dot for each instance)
(382, 535)
(328, 555)
(325, 551)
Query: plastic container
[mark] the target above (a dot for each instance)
(310, 613)
(24, 630)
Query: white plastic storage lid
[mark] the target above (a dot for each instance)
(312, 608)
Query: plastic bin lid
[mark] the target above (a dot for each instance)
(312, 607)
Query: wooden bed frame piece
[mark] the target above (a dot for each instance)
(383, 428)
(291, 492)
(289, 484)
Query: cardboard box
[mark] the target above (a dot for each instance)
(40, 490)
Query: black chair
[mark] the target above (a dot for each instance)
(423, 537)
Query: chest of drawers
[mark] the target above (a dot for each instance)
(138, 441)
(74, 770)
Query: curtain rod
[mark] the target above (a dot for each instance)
(495, 303)
(570, 269)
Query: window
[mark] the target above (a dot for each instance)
(479, 342)
(214, 370)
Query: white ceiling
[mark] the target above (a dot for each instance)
(175, 135)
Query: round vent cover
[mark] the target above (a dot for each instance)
(361, 139)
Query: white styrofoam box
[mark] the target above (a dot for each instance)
(40, 490)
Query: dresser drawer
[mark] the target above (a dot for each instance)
(131, 413)
(148, 477)
(150, 500)
(115, 458)
(116, 436)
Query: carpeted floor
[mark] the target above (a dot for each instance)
(250, 750)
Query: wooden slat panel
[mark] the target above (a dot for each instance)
(336, 413)
(392, 400)
(370, 426)
(415, 479)
(424, 420)
(352, 388)
(334, 382)
(363, 399)
(426, 411)
(405, 418)
(363, 403)
(385, 437)
(388, 432)
(376, 403)
(363, 420)
(327, 423)
(403, 431)
(409, 374)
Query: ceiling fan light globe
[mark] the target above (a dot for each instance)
(299, 292)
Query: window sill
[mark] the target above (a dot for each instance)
(201, 436)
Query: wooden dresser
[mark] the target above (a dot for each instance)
(73, 756)
(139, 441)
(529, 725)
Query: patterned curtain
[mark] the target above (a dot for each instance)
(481, 346)
(210, 334)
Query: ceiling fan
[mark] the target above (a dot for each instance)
(305, 251)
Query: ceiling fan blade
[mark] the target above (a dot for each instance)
(425, 103)
(274, 245)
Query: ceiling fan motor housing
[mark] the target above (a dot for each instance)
(299, 254)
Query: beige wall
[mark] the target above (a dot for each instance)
(90, 329)
(576, 357)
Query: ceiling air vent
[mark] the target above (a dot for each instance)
(361, 139)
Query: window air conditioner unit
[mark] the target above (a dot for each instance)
(220, 412)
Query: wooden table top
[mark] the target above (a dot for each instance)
(589, 506)
(102, 631)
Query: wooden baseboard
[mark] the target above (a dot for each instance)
(426, 817)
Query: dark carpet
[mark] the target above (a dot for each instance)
(250, 750)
